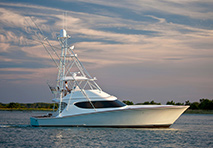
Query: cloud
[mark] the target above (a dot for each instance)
(192, 9)
(4, 46)
(10, 18)
(111, 34)
(137, 47)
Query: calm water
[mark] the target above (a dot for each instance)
(190, 130)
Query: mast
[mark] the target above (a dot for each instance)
(62, 66)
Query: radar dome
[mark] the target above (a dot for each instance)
(63, 33)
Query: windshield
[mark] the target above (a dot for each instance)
(100, 104)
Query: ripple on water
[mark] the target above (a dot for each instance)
(188, 131)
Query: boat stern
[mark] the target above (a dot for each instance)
(33, 121)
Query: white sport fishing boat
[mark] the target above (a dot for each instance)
(82, 103)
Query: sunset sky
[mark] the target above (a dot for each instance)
(139, 50)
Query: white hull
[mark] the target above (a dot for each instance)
(132, 116)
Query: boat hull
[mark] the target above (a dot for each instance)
(131, 117)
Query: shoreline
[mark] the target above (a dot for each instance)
(199, 111)
(188, 111)
(26, 109)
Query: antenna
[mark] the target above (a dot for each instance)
(63, 20)
(66, 20)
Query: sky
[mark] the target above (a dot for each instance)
(139, 50)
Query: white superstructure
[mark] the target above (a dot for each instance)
(83, 103)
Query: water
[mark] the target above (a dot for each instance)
(190, 130)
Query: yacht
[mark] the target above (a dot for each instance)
(82, 103)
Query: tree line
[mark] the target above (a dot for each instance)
(39, 105)
(203, 104)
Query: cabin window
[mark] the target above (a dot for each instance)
(100, 104)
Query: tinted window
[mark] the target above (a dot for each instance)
(101, 104)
